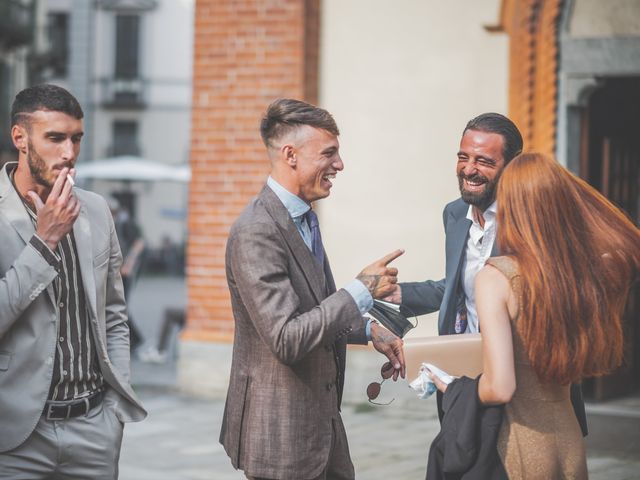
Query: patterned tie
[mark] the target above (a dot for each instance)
(460, 325)
(461, 320)
(316, 238)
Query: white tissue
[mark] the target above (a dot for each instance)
(423, 385)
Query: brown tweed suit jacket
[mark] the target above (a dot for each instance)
(291, 331)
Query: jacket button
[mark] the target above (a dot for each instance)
(329, 386)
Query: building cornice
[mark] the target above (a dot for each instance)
(127, 5)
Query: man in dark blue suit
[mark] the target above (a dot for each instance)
(489, 142)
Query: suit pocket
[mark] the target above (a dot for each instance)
(5, 360)
(101, 258)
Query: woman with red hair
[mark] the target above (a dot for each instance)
(550, 310)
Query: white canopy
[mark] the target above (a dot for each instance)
(132, 169)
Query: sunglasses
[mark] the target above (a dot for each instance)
(373, 390)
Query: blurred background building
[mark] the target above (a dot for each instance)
(177, 82)
(129, 64)
(402, 79)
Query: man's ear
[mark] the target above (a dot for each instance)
(289, 154)
(20, 138)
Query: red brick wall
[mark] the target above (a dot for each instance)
(246, 54)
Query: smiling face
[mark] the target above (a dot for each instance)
(480, 163)
(315, 160)
(48, 141)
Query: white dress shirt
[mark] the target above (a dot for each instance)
(479, 246)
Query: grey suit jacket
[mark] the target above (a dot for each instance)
(291, 330)
(29, 319)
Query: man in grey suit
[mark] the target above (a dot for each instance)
(64, 340)
(282, 415)
(489, 142)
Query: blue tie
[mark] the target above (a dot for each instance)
(316, 238)
(460, 325)
(461, 320)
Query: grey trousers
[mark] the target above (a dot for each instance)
(80, 448)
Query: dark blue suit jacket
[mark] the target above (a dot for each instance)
(430, 296)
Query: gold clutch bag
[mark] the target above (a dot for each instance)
(456, 355)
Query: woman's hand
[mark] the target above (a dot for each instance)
(440, 385)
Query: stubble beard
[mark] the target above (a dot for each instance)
(38, 168)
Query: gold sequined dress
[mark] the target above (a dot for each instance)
(540, 437)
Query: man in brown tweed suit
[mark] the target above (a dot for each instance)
(282, 415)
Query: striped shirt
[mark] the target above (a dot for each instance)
(76, 371)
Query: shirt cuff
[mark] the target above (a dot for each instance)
(360, 295)
(367, 328)
(44, 250)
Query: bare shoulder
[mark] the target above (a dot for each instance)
(493, 285)
(489, 277)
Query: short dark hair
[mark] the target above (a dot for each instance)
(286, 114)
(496, 123)
(44, 97)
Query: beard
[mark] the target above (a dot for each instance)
(38, 167)
(483, 199)
(41, 173)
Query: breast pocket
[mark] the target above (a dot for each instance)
(5, 360)
(102, 258)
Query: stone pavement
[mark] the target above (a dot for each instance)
(179, 439)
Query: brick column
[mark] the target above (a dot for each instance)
(247, 53)
(532, 26)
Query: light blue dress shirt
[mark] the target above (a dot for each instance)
(297, 208)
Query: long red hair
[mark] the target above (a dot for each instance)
(578, 256)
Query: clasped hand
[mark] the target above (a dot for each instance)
(390, 346)
(381, 280)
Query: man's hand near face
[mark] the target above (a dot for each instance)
(59, 212)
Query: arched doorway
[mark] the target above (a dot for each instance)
(610, 161)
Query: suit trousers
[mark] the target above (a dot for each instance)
(79, 448)
(339, 466)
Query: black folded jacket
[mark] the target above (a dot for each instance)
(391, 319)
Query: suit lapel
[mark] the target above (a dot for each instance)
(457, 241)
(301, 253)
(331, 284)
(456, 238)
(14, 208)
(82, 235)
(16, 213)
